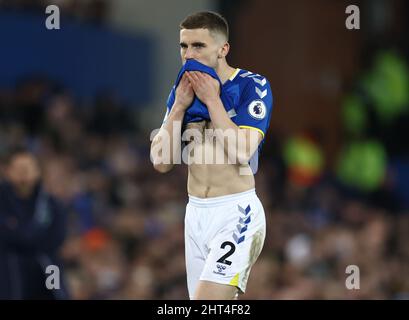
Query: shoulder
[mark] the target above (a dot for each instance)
(250, 81)
(251, 78)
(254, 86)
(5, 190)
(2, 186)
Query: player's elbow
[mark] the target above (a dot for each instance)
(243, 158)
(238, 156)
(160, 162)
(162, 168)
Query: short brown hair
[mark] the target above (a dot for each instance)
(210, 20)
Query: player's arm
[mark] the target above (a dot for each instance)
(164, 146)
(248, 140)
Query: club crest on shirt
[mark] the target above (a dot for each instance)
(257, 109)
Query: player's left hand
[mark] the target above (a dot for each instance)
(206, 88)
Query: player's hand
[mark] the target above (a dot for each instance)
(206, 88)
(184, 93)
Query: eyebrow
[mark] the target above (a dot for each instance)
(197, 43)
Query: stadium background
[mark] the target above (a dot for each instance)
(333, 175)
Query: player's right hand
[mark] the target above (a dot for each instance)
(184, 93)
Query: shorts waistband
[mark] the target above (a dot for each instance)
(217, 201)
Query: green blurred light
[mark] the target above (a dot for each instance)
(354, 115)
(303, 153)
(363, 165)
(388, 85)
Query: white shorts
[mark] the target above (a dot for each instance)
(223, 238)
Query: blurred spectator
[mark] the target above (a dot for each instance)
(32, 229)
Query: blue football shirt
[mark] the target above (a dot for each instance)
(253, 103)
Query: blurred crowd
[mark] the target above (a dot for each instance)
(125, 221)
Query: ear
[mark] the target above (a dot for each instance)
(224, 50)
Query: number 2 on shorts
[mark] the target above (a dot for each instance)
(228, 254)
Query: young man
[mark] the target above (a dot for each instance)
(225, 221)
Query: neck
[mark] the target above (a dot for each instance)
(224, 71)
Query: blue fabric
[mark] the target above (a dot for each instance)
(197, 111)
(255, 103)
(248, 94)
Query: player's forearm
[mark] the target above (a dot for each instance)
(228, 133)
(166, 145)
(219, 116)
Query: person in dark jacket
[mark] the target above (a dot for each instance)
(32, 229)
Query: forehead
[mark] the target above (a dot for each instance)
(195, 35)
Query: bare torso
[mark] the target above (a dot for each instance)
(213, 180)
